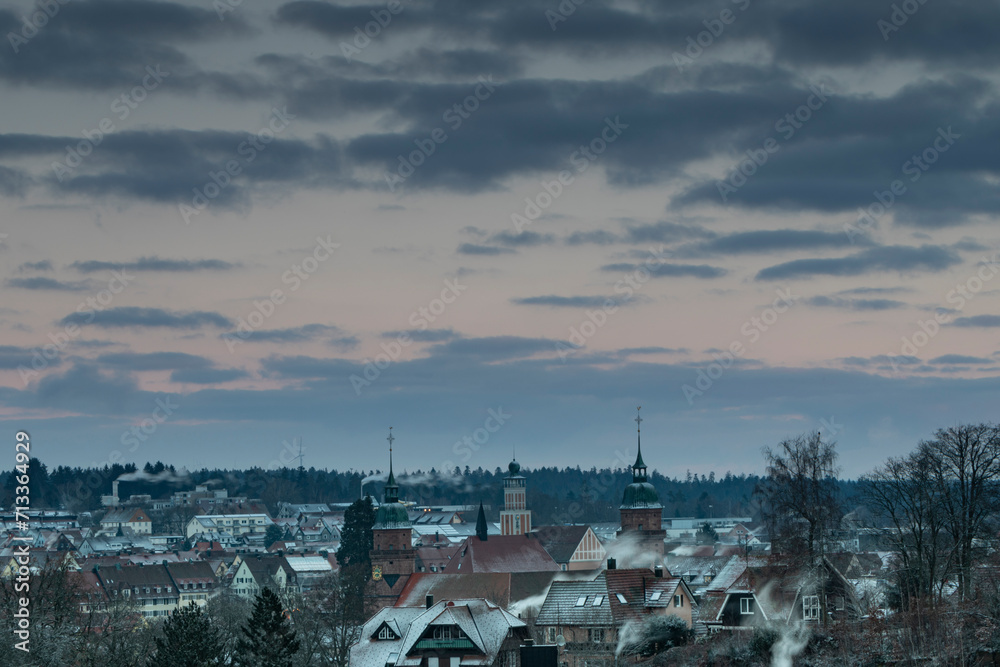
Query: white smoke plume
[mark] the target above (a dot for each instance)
(167, 475)
(791, 642)
(631, 552)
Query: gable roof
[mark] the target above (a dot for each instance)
(561, 542)
(573, 603)
(486, 626)
(501, 553)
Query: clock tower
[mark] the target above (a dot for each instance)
(515, 518)
(393, 557)
(641, 511)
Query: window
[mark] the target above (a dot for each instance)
(598, 599)
(442, 632)
(746, 605)
(455, 661)
(432, 661)
(655, 596)
(810, 607)
(385, 633)
(621, 598)
(595, 635)
(582, 600)
(552, 635)
(678, 600)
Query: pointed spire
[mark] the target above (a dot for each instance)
(639, 467)
(391, 488)
(481, 523)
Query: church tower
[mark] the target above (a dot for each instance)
(515, 518)
(393, 557)
(641, 511)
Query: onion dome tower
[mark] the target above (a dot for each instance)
(641, 511)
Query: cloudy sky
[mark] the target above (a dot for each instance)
(231, 227)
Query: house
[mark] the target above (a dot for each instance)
(308, 570)
(131, 518)
(443, 634)
(150, 586)
(435, 558)
(195, 581)
(254, 573)
(233, 524)
(572, 547)
(501, 553)
(753, 591)
(293, 510)
(589, 616)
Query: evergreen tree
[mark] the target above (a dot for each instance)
(189, 640)
(268, 638)
(356, 539)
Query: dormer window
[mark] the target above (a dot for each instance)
(386, 633)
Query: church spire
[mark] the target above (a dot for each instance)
(481, 532)
(391, 488)
(639, 467)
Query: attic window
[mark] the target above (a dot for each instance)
(386, 633)
(656, 595)
(582, 600)
(598, 599)
(621, 598)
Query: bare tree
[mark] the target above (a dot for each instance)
(905, 497)
(967, 470)
(800, 493)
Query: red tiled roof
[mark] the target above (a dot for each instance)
(501, 553)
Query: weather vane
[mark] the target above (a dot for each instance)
(638, 419)
(390, 438)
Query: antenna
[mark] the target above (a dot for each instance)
(301, 456)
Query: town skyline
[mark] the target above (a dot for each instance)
(229, 227)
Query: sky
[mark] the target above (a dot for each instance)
(233, 229)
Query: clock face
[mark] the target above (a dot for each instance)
(376, 572)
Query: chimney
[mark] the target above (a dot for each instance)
(658, 571)
(612, 564)
(429, 601)
(114, 492)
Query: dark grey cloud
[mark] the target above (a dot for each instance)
(494, 347)
(904, 259)
(121, 166)
(669, 270)
(961, 359)
(154, 361)
(46, 283)
(777, 240)
(107, 44)
(596, 237)
(522, 239)
(665, 232)
(154, 264)
(302, 334)
(133, 316)
(978, 321)
(479, 249)
(43, 265)
(13, 357)
(855, 304)
(424, 335)
(567, 301)
(208, 375)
